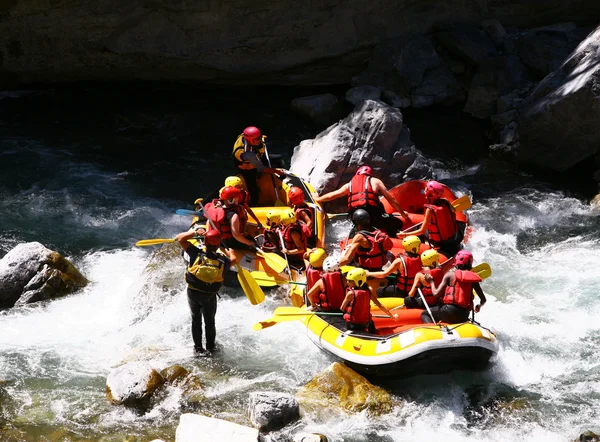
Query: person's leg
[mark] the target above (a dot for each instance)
(413, 302)
(196, 310)
(426, 319)
(453, 314)
(390, 291)
(209, 304)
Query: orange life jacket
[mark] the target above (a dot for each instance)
(361, 193)
(375, 256)
(460, 292)
(411, 265)
(334, 293)
(443, 225)
(312, 276)
(359, 309)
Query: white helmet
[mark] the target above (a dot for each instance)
(331, 264)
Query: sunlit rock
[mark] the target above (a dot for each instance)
(271, 410)
(559, 128)
(372, 134)
(338, 386)
(191, 386)
(595, 203)
(132, 384)
(195, 427)
(310, 437)
(588, 436)
(31, 272)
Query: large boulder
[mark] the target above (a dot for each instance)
(31, 272)
(559, 126)
(195, 427)
(323, 109)
(372, 134)
(238, 41)
(339, 387)
(192, 388)
(132, 384)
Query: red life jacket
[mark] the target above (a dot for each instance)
(443, 225)
(334, 293)
(359, 309)
(224, 226)
(438, 275)
(245, 197)
(460, 292)
(303, 208)
(375, 256)
(361, 193)
(312, 276)
(410, 267)
(287, 231)
(215, 214)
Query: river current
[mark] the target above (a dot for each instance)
(91, 171)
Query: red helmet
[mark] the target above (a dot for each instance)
(434, 190)
(212, 238)
(296, 195)
(229, 193)
(364, 170)
(252, 135)
(463, 257)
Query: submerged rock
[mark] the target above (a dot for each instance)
(195, 427)
(132, 384)
(310, 437)
(31, 272)
(372, 134)
(339, 386)
(588, 436)
(192, 388)
(271, 410)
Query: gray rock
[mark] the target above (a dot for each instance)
(503, 151)
(372, 134)
(132, 383)
(358, 94)
(438, 85)
(471, 45)
(416, 58)
(509, 134)
(270, 411)
(494, 30)
(396, 100)
(323, 109)
(544, 52)
(505, 103)
(310, 437)
(588, 436)
(503, 119)
(195, 427)
(559, 127)
(31, 272)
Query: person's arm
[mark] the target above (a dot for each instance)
(380, 189)
(419, 279)
(347, 301)
(253, 158)
(231, 255)
(306, 219)
(297, 238)
(334, 195)
(482, 299)
(396, 265)
(439, 291)
(183, 238)
(380, 305)
(421, 230)
(348, 254)
(237, 234)
(251, 213)
(313, 293)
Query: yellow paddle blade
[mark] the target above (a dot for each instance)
(462, 203)
(152, 242)
(277, 263)
(265, 324)
(483, 270)
(265, 280)
(297, 295)
(252, 290)
(346, 269)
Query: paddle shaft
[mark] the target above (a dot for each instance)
(426, 305)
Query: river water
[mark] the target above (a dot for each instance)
(88, 171)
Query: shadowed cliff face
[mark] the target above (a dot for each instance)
(231, 42)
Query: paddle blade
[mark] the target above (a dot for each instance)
(189, 213)
(336, 215)
(265, 280)
(277, 263)
(483, 270)
(297, 295)
(152, 242)
(250, 287)
(265, 324)
(462, 203)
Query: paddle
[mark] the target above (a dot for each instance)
(189, 213)
(250, 287)
(287, 314)
(483, 270)
(273, 260)
(267, 280)
(278, 201)
(151, 242)
(462, 203)
(287, 261)
(336, 215)
(426, 305)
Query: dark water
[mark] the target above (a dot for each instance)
(89, 169)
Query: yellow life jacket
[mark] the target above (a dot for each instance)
(207, 272)
(240, 146)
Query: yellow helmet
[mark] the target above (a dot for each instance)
(430, 258)
(288, 216)
(273, 217)
(411, 244)
(233, 181)
(358, 276)
(316, 257)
